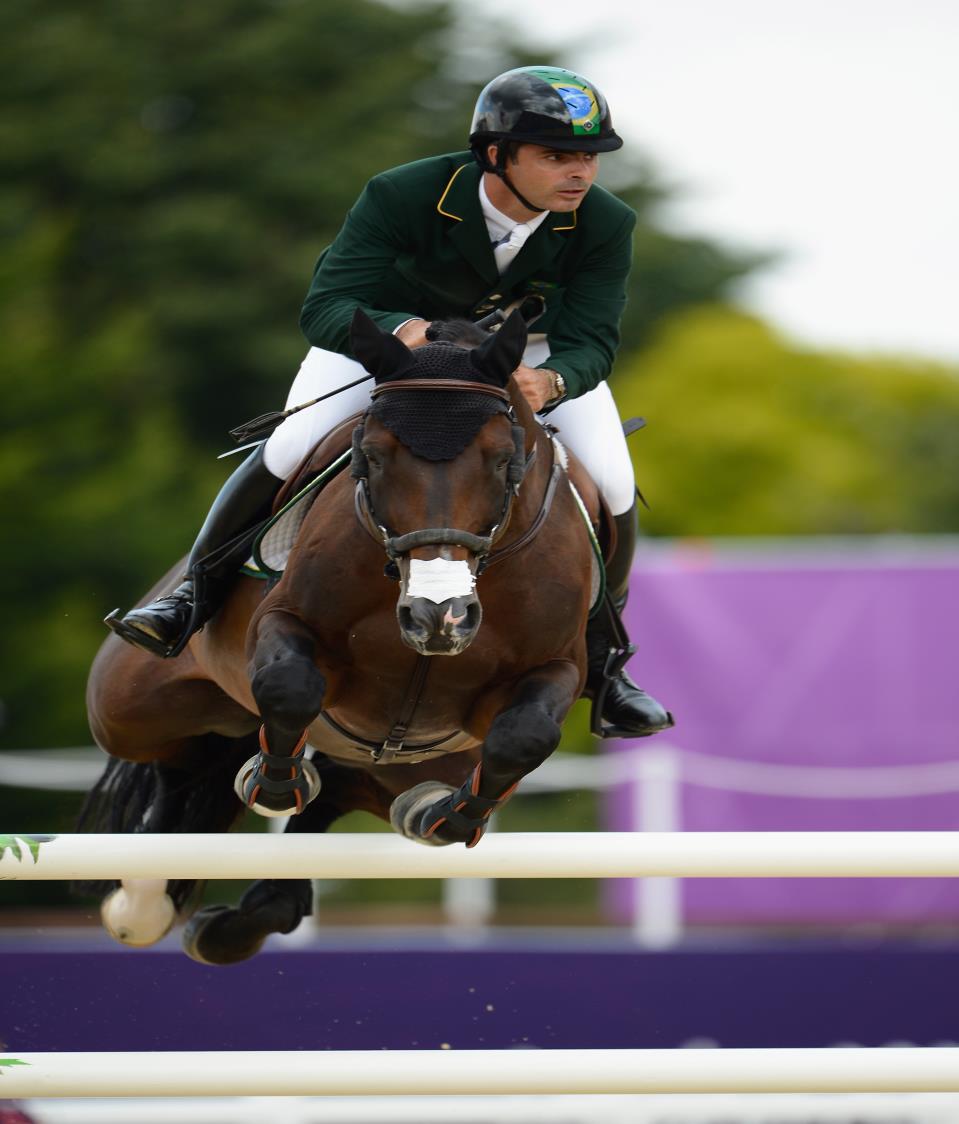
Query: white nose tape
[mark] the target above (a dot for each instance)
(439, 579)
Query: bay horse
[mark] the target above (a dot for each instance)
(423, 704)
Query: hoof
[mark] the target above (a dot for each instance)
(408, 808)
(271, 804)
(223, 934)
(219, 934)
(139, 912)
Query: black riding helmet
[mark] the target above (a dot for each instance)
(544, 105)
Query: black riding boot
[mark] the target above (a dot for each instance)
(222, 546)
(627, 711)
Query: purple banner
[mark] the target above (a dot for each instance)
(539, 994)
(818, 657)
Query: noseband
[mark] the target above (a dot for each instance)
(479, 545)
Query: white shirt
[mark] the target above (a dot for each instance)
(507, 235)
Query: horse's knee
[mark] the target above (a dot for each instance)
(520, 740)
(290, 691)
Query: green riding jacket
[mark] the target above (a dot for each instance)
(415, 243)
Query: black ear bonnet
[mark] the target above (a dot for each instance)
(438, 424)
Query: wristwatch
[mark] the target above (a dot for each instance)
(557, 384)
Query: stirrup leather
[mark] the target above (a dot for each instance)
(617, 657)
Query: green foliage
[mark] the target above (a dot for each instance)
(167, 184)
(752, 436)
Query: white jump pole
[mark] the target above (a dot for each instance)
(438, 1072)
(826, 854)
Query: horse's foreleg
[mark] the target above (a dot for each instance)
(288, 689)
(519, 739)
(221, 934)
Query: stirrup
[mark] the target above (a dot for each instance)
(617, 654)
(616, 660)
(139, 639)
(198, 618)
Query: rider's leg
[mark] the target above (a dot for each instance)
(242, 503)
(320, 372)
(220, 549)
(590, 426)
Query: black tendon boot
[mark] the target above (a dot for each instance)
(222, 546)
(624, 710)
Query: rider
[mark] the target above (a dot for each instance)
(462, 235)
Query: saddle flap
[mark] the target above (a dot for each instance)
(324, 461)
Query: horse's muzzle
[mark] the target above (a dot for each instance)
(443, 629)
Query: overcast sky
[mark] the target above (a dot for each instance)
(825, 128)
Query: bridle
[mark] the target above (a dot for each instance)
(481, 546)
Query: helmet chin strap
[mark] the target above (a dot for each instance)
(499, 169)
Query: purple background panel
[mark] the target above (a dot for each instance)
(823, 657)
(538, 995)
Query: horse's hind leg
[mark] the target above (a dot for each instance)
(160, 798)
(289, 690)
(140, 911)
(221, 934)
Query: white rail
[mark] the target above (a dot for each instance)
(788, 854)
(77, 769)
(588, 1108)
(411, 1072)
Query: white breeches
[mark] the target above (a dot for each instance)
(588, 425)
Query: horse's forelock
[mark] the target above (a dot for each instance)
(441, 359)
(462, 332)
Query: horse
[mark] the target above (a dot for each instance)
(426, 640)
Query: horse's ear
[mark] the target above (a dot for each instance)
(502, 353)
(381, 353)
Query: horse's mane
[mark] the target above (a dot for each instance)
(463, 332)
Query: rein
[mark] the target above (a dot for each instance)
(481, 546)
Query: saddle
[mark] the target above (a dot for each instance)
(317, 461)
(297, 495)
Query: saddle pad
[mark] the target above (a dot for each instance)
(272, 546)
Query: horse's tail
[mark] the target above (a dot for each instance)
(130, 797)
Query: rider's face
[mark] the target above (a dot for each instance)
(552, 180)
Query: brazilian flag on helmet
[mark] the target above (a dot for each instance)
(544, 105)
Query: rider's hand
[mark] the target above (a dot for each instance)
(413, 333)
(536, 384)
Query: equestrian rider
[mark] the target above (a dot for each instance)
(461, 235)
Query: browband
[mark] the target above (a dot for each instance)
(442, 384)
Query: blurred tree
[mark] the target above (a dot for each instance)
(167, 186)
(750, 435)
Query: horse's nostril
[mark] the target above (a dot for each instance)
(474, 614)
(412, 623)
(463, 617)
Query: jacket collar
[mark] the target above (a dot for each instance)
(459, 202)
